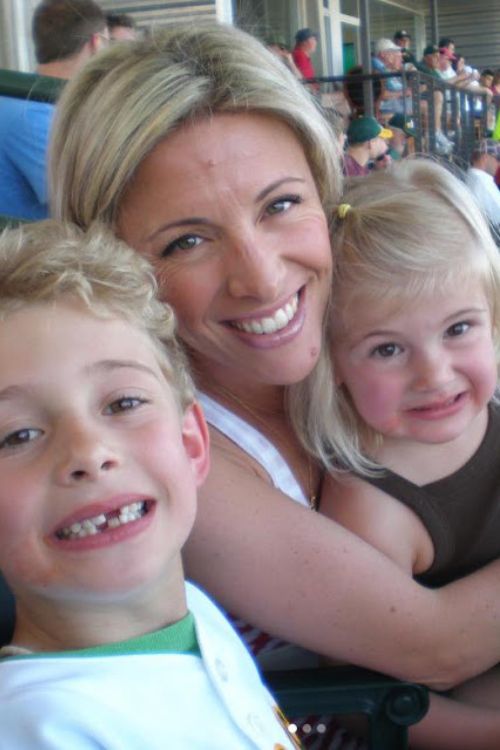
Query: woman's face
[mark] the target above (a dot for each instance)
(228, 212)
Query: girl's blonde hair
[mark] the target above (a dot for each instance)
(130, 97)
(49, 261)
(404, 233)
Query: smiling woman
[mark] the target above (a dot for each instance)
(204, 153)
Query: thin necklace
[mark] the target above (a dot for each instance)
(313, 489)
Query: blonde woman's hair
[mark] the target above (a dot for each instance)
(50, 261)
(401, 234)
(130, 97)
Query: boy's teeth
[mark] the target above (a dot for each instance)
(276, 322)
(92, 526)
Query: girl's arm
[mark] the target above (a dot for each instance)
(300, 576)
(395, 530)
(381, 520)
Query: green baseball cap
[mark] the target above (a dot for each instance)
(403, 123)
(364, 129)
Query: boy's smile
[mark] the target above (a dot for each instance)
(98, 467)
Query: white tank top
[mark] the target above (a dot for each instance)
(256, 445)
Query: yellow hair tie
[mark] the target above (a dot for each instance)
(343, 210)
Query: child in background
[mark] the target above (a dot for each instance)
(414, 427)
(102, 447)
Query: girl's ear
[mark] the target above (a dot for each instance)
(196, 441)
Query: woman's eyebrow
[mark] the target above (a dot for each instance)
(269, 189)
(189, 221)
(201, 221)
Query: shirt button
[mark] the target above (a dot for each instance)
(255, 723)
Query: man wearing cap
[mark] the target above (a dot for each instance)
(306, 41)
(366, 141)
(388, 58)
(480, 178)
(430, 66)
(403, 40)
(429, 63)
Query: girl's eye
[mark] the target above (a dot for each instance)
(186, 242)
(385, 351)
(19, 437)
(127, 403)
(282, 204)
(458, 329)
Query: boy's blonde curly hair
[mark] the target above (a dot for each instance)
(50, 261)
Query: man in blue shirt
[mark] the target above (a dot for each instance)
(388, 58)
(65, 33)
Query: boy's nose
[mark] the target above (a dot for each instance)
(84, 456)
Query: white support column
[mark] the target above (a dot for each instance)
(224, 11)
(15, 22)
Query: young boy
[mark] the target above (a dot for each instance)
(102, 448)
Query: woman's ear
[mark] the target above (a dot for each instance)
(196, 441)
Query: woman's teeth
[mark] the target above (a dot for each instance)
(103, 522)
(276, 322)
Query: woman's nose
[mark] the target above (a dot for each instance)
(254, 269)
(83, 455)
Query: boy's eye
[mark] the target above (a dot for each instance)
(19, 437)
(282, 204)
(127, 403)
(186, 242)
(458, 329)
(385, 351)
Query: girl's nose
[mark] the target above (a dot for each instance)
(432, 371)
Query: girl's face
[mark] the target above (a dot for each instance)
(422, 371)
(228, 212)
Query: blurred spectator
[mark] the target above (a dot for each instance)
(481, 178)
(403, 40)
(306, 41)
(429, 63)
(486, 79)
(430, 66)
(66, 33)
(121, 27)
(277, 46)
(403, 133)
(387, 58)
(366, 142)
(447, 43)
(495, 86)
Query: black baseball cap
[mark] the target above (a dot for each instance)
(402, 34)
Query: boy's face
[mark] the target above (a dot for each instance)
(98, 469)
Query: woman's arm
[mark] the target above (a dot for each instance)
(450, 725)
(304, 578)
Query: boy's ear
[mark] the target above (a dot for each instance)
(195, 438)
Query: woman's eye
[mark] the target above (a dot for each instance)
(20, 437)
(385, 351)
(282, 204)
(186, 242)
(127, 403)
(458, 329)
